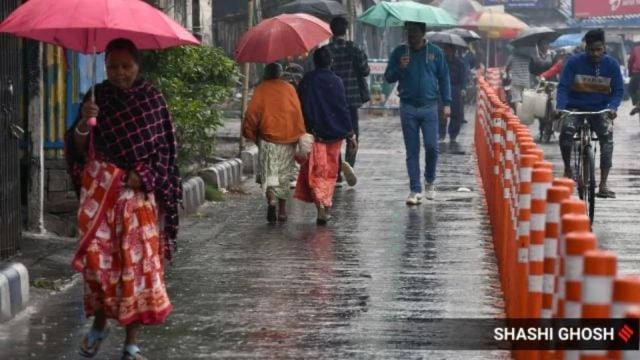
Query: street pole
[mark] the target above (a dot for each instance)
(245, 82)
(35, 203)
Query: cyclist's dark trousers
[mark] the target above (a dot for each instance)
(350, 156)
(601, 125)
(634, 88)
(457, 115)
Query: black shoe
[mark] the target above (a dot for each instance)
(271, 214)
(605, 193)
(635, 111)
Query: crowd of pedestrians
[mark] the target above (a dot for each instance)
(122, 155)
(431, 88)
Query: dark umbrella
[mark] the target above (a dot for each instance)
(446, 38)
(531, 36)
(467, 35)
(320, 8)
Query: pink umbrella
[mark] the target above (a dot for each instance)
(89, 25)
(281, 36)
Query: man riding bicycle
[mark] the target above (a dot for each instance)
(591, 81)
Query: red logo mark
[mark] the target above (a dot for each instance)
(625, 333)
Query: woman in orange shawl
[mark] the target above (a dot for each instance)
(274, 122)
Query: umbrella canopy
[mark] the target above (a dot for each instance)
(494, 24)
(442, 37)
(281, 36)
(82, 24)
(318, 8)
(531, 36)
(386, 14)
(568, 40)
(467, 35)
(459, 8)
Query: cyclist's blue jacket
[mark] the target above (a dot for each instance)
(589, 86)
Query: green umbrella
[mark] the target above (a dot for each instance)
(397, 13)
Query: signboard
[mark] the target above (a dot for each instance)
(383, 94)
(524, 4)
(590, 8)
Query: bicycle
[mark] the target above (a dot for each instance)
(547, 125)
(583, 158)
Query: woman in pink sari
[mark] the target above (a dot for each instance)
(327, 117)
(126, 174)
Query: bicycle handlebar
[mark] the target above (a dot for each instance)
(599, 112)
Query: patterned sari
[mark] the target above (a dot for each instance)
(277, 168)
(317, 176)
(120, 251)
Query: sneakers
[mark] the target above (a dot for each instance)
(349, 174)
(430, 191)
(414, 198)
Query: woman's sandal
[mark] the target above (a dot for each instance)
(132, 352)
(90, 343)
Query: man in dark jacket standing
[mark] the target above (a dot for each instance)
(423, 76)
(459, 75)
(351, 65)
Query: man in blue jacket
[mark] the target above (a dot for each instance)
(423, 76)
(591, 81)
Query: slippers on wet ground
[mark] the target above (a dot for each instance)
(90, 343)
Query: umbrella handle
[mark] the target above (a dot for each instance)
(93, 121)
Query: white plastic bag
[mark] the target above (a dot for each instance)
(304, 145)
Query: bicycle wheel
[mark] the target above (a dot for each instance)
(589, 181)
(577, 168)
(547, 124)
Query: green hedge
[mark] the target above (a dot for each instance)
(195, 80)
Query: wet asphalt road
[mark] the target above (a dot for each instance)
(616, 222)
(355, 289)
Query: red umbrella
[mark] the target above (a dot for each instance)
(89, 25)
(281, 36)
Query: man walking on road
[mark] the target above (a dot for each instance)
(423, 75)
(458, 76)
(351, 65)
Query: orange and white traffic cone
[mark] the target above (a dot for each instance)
(600, 268)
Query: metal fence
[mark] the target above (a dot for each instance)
(10, 134)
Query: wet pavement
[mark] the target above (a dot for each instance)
(358, 288)
(616, 222)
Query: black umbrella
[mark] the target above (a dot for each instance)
(467, 35)
(446, 38)
(531, 36)
(319, 8)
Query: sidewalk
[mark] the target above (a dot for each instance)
(358, 288)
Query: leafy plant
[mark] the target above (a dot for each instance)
(212, 193)
(194, 80)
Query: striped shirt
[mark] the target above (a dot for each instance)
(519, 65)
(349, 63)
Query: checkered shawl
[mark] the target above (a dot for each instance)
(135, 132)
